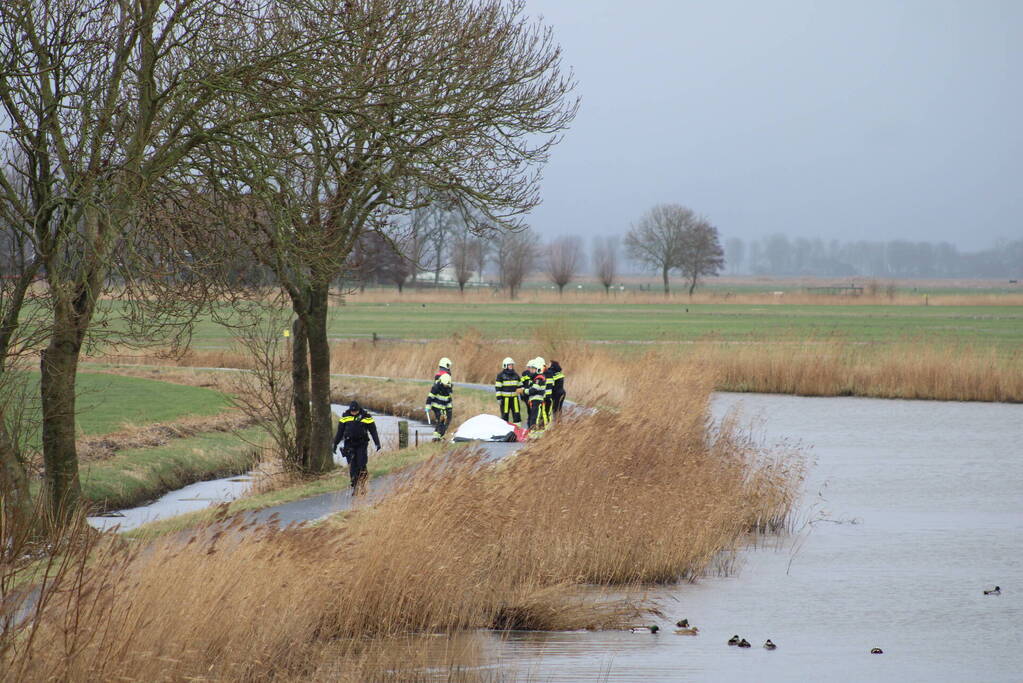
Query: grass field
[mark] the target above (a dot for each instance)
(978, 325)
(107, 403)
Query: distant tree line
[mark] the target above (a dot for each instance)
(780, 255)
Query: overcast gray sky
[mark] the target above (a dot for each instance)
(855, 119)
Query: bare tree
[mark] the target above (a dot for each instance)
(563, 260)
(21, 327)
(656, 240)
(605, 261)
(442, 223)
(700, 253)
(466, 249)
(481, 255)
(517, 253)
(400, 138)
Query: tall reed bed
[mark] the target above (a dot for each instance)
(596, 372)
(647, 494)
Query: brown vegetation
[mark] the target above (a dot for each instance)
(597, 373)
(159, 434)
(458, 546)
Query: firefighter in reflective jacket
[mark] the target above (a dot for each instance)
(507, 387)
(439, 405)
(557, 378)
(354, 430)
(535, 394)
(526, 382)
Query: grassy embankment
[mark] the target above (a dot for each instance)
(456, 547)
(393, 397)
(139, 438)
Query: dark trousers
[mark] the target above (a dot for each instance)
(510, 409)
(559, 400)
(534, 414)
(357, 457)
(441, 419)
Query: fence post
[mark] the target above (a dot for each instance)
(403, 434)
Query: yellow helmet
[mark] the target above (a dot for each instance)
(445, 363)
(445, 379)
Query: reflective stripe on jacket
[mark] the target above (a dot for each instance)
(356, 429)
(537, 389)
(439, 396)
(507, 383)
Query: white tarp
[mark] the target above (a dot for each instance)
(485, 428)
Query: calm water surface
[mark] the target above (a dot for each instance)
(911, 509)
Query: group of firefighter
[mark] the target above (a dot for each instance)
(540, 389)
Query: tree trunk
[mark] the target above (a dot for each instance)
(692, 286)
(59, 365)
(607, 290)
(300, 391)
(16, 497)
(561, 289)
(664, 276)
(461, 287)
(321, 434)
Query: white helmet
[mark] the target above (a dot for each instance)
(445, 363)
(540, 363)
(532, 364)
(445, 379)
(508, 361)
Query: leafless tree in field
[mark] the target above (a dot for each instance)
(700, 253)
(605, 261)
(440, 102)
(517, 256)
(563, 260)
(465, 253)
(657, 239)
(481, 254)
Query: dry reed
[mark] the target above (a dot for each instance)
(608, 499)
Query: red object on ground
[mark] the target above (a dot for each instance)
(520, 433)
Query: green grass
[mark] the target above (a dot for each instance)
(134, 476)
(386, 462)
(106, 403)
(678, 321)
(992, 325)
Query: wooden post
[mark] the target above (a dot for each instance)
(402, 434)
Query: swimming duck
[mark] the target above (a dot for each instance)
(646, 629)
(769, 645)
(997, 590)
(734, 640)
(744, 643)
(687, 631)
(876, 651)
(682, 623)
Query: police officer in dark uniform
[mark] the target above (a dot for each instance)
(354, 430)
